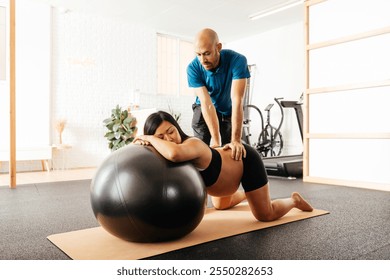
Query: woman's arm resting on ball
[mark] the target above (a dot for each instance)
(189, 150)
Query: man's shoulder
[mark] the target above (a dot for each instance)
(194, 64)
(231, 53)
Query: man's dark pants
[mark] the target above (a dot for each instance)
(201, 130)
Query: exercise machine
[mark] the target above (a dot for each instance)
(270, 140)
(287, 166)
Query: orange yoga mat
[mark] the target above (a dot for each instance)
(98, 244)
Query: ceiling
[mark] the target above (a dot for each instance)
(186, 17)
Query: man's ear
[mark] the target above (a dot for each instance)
(219, 47)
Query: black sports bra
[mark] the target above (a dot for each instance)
(211, 173)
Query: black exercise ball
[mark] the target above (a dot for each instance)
(139, 196)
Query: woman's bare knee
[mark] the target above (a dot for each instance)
(263, 217)
(229, 201)
(221, 203)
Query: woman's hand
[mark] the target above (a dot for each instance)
(141, 140)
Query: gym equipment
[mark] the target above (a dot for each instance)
(287, 166)
(270, 140)
(284, 166)
(139, 196)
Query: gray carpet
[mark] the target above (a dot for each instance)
(358, 226)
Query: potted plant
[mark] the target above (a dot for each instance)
(121, 128)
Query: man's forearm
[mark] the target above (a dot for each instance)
(237, 95)
(210, 116)
(237, 119)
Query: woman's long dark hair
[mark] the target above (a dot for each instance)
(154, 121)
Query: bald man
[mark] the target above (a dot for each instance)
(218, 78)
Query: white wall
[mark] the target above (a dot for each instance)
(97, 64)
(100, 62)
(279, 58)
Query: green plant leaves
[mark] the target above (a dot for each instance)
(121, 128)
(116, 126)
(128, 120)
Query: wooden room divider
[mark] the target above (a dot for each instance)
(347, 109)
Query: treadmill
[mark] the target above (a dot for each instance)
(287, 166)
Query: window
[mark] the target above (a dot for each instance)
(174, 54)
(2, 43)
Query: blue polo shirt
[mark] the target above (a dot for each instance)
(218, 82)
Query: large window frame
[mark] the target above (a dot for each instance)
(3, 41)
(173, 56)
(336, 139)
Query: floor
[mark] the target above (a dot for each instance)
(357, 227)
(23, 178)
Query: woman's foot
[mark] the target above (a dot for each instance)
(300, 203)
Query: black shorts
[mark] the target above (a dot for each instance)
(254, 174)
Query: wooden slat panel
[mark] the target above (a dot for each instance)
(306, 101)
(313, 2)
(12, 159)
(347, 183)
(348, 135)
(349, 87)
(322, 163)
(350, 38)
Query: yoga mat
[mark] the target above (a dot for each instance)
(98, 244)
